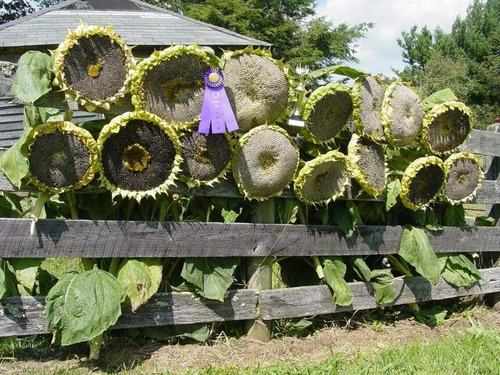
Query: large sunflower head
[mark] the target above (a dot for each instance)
(463, 178)
(206, 157)
(368, 164)
(61, 156)
(322, 179)
(257, 86)
(402, 114)
(92, 66)
(170, 83)
(264, 162)
(446, 126)
(326, 112)
(140, 155)
(422, 181)
(368, 96)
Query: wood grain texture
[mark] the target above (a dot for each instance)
(483, 142)
(316, 300)
(136, 239)
(26, 315)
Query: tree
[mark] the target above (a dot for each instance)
(11, 10)
(467, 59)
(290, 26)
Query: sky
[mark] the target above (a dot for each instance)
(378, 52)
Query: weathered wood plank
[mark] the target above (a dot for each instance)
(488, 193)
(483, 142)
(97, 239)
(26, 315)
(316, 300)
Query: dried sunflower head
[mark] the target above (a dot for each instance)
(463, 178)
(446, 126)
(257, 86)
(322, 179)
(264, 162)
(140, 155)
(61, 156)
(402, 114)
(170, 83)
(368, 96)
(422, 181)
(206, 157)
(92, 66)
(326, 112)
(368, 165)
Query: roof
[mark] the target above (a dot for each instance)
(138, 24)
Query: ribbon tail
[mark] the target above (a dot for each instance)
(206, 117)
(229, 118)
(218, 118)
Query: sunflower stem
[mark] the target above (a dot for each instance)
(113, 267)
(163, 211)
(72, 205)
(37, 210)
(68, 115)
(318, 267)
(95, 347)
(130, 208)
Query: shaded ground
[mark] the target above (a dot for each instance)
(354, 336)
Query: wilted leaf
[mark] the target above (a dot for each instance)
(362, 269)
(383, 284)
(460, 271)
(392, 192)
(336, 69)
(445, 95)
(14, 162)
(334, 270)
(26, 271)
(82, 306)
(416, 250)
(230, 216)
(140, 279)
(433, 316)
(198, 332)
(211, 276)
(33, 77)
(484, 221)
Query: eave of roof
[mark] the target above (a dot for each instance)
(152, 26)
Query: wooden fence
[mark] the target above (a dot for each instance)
(134, 239)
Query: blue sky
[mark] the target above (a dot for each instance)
(379, 51)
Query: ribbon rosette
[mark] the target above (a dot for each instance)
(216, 113)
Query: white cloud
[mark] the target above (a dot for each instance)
(378, 52)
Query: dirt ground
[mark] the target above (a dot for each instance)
(350, 338)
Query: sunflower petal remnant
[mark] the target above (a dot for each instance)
(264, 162)
(463, 178)
(446, 126)
(368, 96)
(323, 179)
(92, 66)
(326, 112)
(140, 155)
(170, 83)
(402, 114)
(61, 156)
(423, 180)
(258, 87)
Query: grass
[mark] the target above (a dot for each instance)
(472, 352)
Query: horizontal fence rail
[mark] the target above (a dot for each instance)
(26, 315)
(138, 239)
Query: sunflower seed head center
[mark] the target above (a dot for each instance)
(93, 70)
(135, 157)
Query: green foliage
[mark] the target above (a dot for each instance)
(459, 271)
(334, 270)
(140, 279)
(8, 284)
(82, 306)
(211, 276)
(33, 77)
(382, 281)
(11, 10)
(416, 250)
(438, 97)
(466, 60)
(26, 273)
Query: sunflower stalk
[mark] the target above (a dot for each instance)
(43, 197)
(73, 209)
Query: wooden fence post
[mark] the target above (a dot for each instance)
(259, 273)
(493, 210)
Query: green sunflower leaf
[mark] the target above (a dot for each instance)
(459, 271)
(211, 276)
(336, 69)
(454, 215)
(14, 163)
(484, 221)
(442, 96)
(8, 285)
(82, 306)
(383, 284)
(141, 279)
(26, 271)
(345, 219)
(416, 249)
(393, 190)
(334, 270)
(33, 77)
(362, 269)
